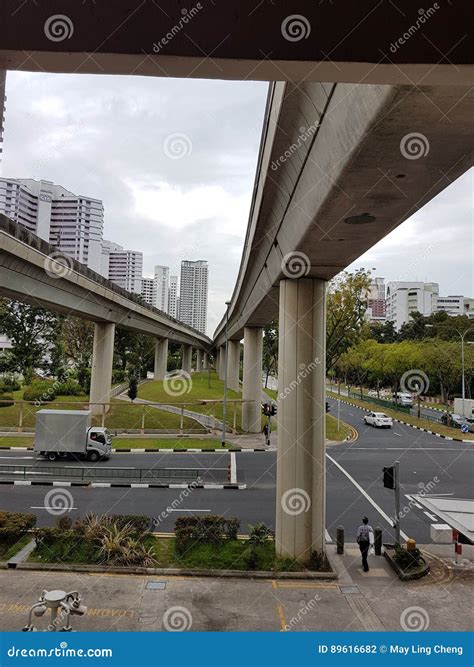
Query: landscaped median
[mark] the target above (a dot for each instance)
(129, 444)
(429, 426)
(204, 546)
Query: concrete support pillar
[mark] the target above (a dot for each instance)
(221, 362)
(252, 380)
(216, 361)
(161, 358)
(102, 362)
(300, 510)
(205, 361)
(187, 358)
(199, 356)
(233, 368)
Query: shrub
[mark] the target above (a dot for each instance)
(260, 534)
(232, 527)
(6, 400)
(68, 388)
(40, 390)
(118, 376)
(84, 379)
(191, 530)
(64, 523)
(407, 558)
(8, 384)
(319, 562)
(132, 388)
(139, 524)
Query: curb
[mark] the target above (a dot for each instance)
(126, 450)
(124, 485)
(400, 421)
(238, 574)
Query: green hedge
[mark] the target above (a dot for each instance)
(6, 400)
(68, 388)
(9, 384)
(40, 390)
(192, 530)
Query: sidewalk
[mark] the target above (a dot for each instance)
(377, 600)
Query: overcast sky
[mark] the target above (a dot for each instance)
(174, 162)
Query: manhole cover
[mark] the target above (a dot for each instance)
(156, 585)
(349, 589)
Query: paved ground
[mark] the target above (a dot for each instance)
(358, 601)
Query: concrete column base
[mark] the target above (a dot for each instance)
(161, 358)
(205, 361)
(102, 362)
(199, 356)
(222, 362)
(252, 380)
(233, 367)
(300, 511)
(187, 359)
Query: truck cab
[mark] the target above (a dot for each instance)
(99, 444)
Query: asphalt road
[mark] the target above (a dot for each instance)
(354, 482)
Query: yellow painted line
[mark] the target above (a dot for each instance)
(281, 616)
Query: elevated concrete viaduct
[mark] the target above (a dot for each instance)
(370, 119)
(35, 272)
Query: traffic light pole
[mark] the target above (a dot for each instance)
(397, 502)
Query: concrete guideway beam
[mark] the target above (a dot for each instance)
(161, 358)
(233, 365)
(300, 510)
(102, 362)
(252, 379)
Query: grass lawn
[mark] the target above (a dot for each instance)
(199, 391)
(121, 415)
(332, 432)
(436, 427)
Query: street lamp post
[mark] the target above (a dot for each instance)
(224, 410)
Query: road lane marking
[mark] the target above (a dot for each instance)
(366, 495)
(233, 469)
(11, 458)
(433, 517)
(410, 498)
(50, 507)
(327, 535)
(399, 435)
(180, 510)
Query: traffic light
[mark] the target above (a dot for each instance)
(269, 409)
(389, 477)
(273, 409)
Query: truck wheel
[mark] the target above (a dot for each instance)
(93, 457)
(52, 456)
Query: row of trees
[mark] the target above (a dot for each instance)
(432, 366)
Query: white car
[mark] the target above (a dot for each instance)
(378, 419)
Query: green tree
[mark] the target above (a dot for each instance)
(270, 350)
(132, 388)
(30, 329)
(346, 306)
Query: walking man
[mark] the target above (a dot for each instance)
(365, 538)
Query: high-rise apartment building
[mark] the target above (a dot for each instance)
(404, 298)
(122, 267)
(71, 222)
(3, 99)
(173, 297)
(193, 294)
(148, 290)
(162, 276)
(376, 301)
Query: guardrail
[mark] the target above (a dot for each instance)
(380, 401)
(83, 473)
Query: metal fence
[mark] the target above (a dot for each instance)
(380, 401)
(83, 473)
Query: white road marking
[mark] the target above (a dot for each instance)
(233, 468)
(50, 507)
(410, 498)
(327, 535)
(172, 510)
(399, 435)
(433, 517)
(12, 458)
(366, 495)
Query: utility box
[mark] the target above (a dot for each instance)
(468, 407)
(441, 533)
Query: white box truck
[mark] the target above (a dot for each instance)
(62, 432)
(468, 404)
